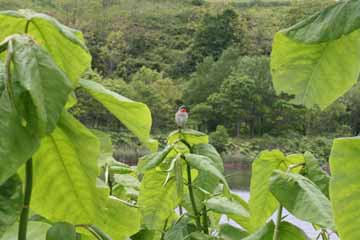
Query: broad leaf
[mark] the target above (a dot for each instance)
(262, 168)
(229, 232)
(135, 116)
(155, 159)
(289, 231)
(204, 180)
(36, 231)
(302, 198)
(192, 137)
(65, 172)
(38, 93)
(180, 230)
(157, 202)
(206, 165)
(61, 231)
(263, 233)
(45, 87)
(232, 209)
(345, 185)
(11, 201)
(210, 152)
(65, 45)
(316, 174)
(146, 234)
(317, 59)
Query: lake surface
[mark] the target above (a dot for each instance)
(239, 180)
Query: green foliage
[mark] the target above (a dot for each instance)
(260, 195)
(344, 186)
(314, 54)
(314, 207)
(28, 112)
(316, 174)
(37, 230)
(10, 202)
(220, 138)
(65, 45)
(134, 115)
(61, 231)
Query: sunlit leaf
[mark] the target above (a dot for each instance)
(229, 232)
(262, 169)
(192, 137)
(316, 174)
(204, 164)
(65, 172)
(31, 106)
(232, 209)
(61, 231)
(302, 198)
(317, 59)
(65, 45)
(157, 202)
(345, 185)
(155, 159)
(135, 116)
(36, 231)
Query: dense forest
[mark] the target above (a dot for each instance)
(213, 56)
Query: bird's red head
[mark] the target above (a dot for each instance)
(183, 109)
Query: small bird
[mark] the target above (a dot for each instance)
(181, 116)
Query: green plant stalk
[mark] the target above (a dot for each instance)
(27, 198)
(277, 225)
(205, 220)
(192, 197)
(324, 235)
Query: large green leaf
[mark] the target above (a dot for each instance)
(262, 168)
(231, 208)
(345, 185)
(135, 116)
(316, 174)
(61, 231)
(204, 180)
(210, 152)
(302, 198)
(155, 159)
(263, 233)
(206, 165)
(43, 85)
(65, 45)
(289, 231)
(36, 231)
(36, 95)
(317, 60)
(11, 201)
(229, 232)
(65, 172)
(157, 202)
(192, 137)
(180, 230)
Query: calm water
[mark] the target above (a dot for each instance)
(239, 181)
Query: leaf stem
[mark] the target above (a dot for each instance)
(277, 226)
(205, 220)
(27, 198)
(192, 197)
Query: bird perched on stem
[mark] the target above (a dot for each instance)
(181, 116)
